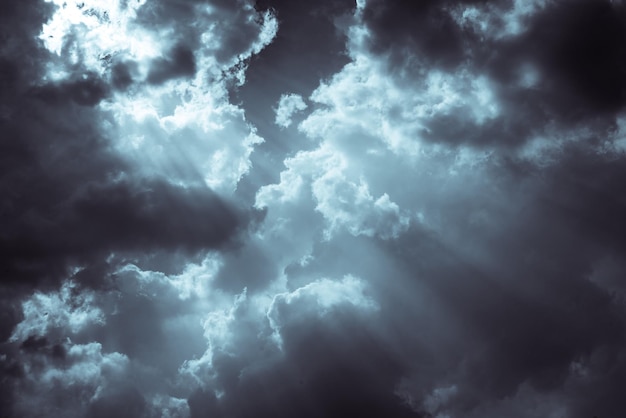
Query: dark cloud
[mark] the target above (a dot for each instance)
(308, 47)
(72, 201)
(247, 267)
(68, 197)
(123, 402)
(405, 30)
(578, 50)
(575, 50)
(87, 90)
(65, 207)
(330, 366)
(580, 46)
(122, 75)
(503, 291)
(179, 63)
(420, 255)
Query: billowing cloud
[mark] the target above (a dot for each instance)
(91, 171)
(370, 208)
(288, 105)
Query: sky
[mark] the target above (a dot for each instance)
(335, 208)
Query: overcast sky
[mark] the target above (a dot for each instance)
(324, 209)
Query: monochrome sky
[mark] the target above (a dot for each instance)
(334, 208)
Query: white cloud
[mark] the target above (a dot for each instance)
(288, 105)
(183, 129)
(100, 28)
(363, 101)
(344, 203)
(89, 367)
(190, 286)
(218, 331)
(324, 294)
(66, 311)
(316, 299)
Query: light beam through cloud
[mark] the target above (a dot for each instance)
(216, 208)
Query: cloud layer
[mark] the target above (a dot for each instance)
(379, 208)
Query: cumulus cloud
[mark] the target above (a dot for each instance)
(288, 105)
(333, 209)
(102, 168)
(343, 203)
(491, 227)
(111, 171)
(47, 314)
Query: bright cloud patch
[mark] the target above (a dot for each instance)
(317, 299)
(288, 105)
(362, 99)
(198, 220)
(67, 311)
(325, 294)
(342, 202)
(169, 99)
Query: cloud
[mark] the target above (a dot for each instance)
(343, 203)
(313, 364)
(504, 238)
(118, 347)
(288, 105)
(538, 77)
(321, 296)
(437, 234)
(308, 46)
(68, 172)
(48, 314)
(70, 380)
(181, 63)
(80, 207)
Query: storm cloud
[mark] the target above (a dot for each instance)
(370, 208)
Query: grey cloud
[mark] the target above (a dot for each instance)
(123, 402)
(423, 30)
(309, 46)
(585, 53)
(494, 290)
(337, 370)
(102, 218)
(249, 266)
(326, 372)
(575, 47)
(179, 63)
(122, 75)
(68, 197)
(498, 292)
(87, 90)
(492, 293)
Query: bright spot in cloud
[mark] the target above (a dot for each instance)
(288, 105)
(100, 30)
(318, 298)
(172, 116)
(68, 310)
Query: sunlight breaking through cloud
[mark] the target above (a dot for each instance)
(268, 208)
